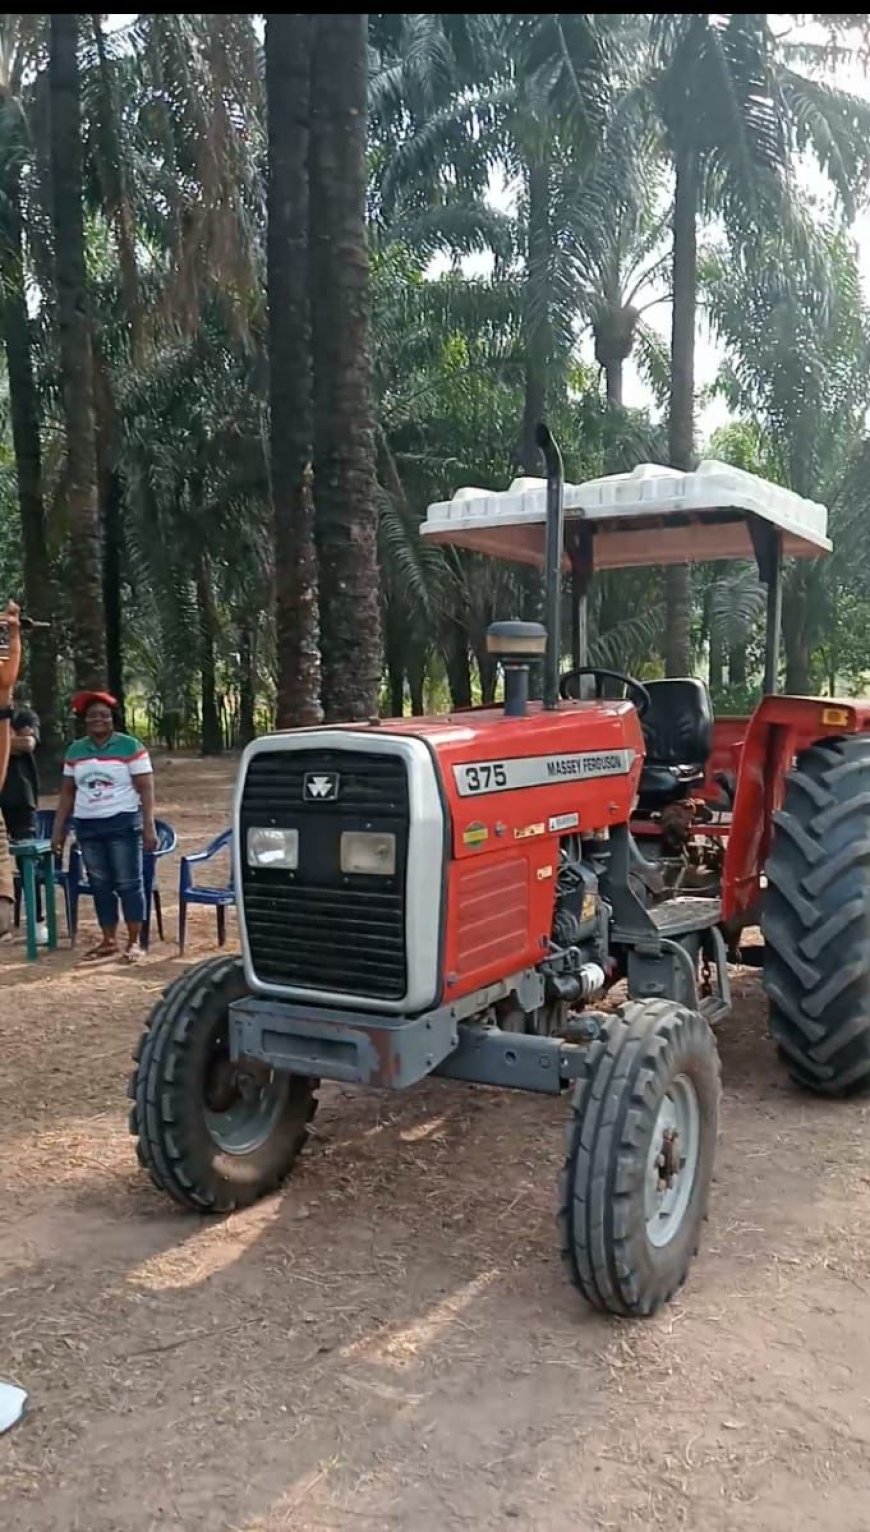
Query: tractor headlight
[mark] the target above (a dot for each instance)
(273, 848)
(371, 854)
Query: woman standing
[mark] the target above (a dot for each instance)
(108, 786)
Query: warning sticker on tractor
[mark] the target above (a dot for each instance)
(539, 771)
(563, 822)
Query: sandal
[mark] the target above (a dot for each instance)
(102, 951)
(134, 953)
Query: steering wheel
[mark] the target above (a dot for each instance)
(634, 690)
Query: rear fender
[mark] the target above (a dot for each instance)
(778, 730)
(729, 732)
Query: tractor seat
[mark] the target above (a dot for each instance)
(678, 730)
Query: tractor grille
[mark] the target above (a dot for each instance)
(319, 928)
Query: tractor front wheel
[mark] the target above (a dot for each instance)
(816, 919)
(213, 1133)
(641, 1146)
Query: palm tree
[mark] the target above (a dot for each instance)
(529, 94)
(731, 112)
(18, 45)
(86, 594)
(198, 518)
(288, 63)
(553, 127)
(113, 178)
(798, 365)
(345, 485)
(171, 132)
(619, 264)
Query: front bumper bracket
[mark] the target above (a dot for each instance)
(362, 1048)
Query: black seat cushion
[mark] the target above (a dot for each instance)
(678, 729)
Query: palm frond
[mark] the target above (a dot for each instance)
(630, 642)
(736, 604)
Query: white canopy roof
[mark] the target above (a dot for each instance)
(652, 515)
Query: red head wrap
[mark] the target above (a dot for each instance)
(82, 701)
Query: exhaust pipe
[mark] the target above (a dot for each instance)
(552, 563)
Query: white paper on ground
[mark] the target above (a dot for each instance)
(13, 1402)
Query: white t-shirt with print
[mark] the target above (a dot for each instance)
(103, 775)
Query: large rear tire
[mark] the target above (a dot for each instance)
(214, 1135)
(641, 1147)
(816, 919)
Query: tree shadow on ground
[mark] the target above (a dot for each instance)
(390, 1341)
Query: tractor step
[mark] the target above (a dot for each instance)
(678, 916)
(714, 1009)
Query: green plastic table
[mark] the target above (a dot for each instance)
(32, 857)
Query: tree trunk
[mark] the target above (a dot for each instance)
(39, 591)
(458, 667)
(288, 39)
(113, 576)
(110, 495)
(833, 654)
(613, 600)
(344, 456)
(116, 197)
(681, 419)
(397, 688)
(797, 667)
(247, 683)
(613, 382)
(737, 665)
(796, 641)
(488, 670)
(711, 635)
(717, 662)
(416, 684)
(394, 656)
(538, 337)
(210, 727)
(86, 592)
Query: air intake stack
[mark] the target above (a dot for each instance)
(517, 645)
(552, 563)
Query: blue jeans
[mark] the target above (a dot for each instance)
(114, 867)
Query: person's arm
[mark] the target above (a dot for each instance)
(142, 777)
(144, 785)
(10, 663)
(65, 800)
(23, 742)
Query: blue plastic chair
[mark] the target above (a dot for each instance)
(167, 840)
(219, 897)
(44, 827)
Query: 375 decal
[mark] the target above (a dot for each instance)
(488, 777)
(538, 770)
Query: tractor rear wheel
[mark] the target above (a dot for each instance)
(214, 1134)
(641, 1146)
(816, 919)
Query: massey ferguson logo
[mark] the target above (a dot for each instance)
(321, 786)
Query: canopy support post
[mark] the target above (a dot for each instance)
(579, 544)
(767, 542)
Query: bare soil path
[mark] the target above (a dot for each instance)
(391, 1342)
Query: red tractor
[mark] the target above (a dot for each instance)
(454, 895)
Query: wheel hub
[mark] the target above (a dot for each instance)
(241, 1104)
(668, 1159)
(672, 1162)
(220, 1090)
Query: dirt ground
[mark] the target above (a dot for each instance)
(391, 1342)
